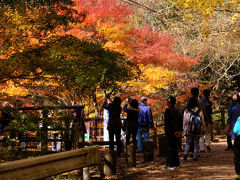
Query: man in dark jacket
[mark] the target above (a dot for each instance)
(172, 118)
(145, 121)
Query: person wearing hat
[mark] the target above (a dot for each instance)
(172, 118)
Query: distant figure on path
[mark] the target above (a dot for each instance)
(145, 121)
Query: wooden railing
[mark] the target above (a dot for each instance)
(72, 135)
(50, 165)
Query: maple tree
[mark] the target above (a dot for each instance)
(106, 22)
(217, 42)
(110, 23)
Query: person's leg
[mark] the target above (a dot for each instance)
(201, 143)
(208, 140)
(134, 134)
(139, 139)
(172, 153)
(111, 139)
(119, 142)
(169, 152)
(146, 134)
(175, 152)
(187, 146)
(237, 155)
(196, 147)
(128, 133)
(229, 142)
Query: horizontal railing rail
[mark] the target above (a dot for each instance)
(50, 165)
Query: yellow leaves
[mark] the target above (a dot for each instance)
(111, 31)
(34, 41)
(117, 46)
(12, 90)
(206, 8)
(235, 17)
(152, 80)
(206, 31)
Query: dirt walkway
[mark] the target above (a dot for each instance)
(217, 164)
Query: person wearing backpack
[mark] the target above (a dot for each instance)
(206, 136)
(193, 121)
(172, 118)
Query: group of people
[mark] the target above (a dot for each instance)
(138, 122)
(194, 120)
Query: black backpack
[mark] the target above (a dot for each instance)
(194, 124)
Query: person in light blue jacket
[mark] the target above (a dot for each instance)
(145, 121)
(236, 131)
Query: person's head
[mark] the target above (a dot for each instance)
(117, 101)
(235, 96)
(134, 103)
(206, 93)
(171, 101)
(144, 100)
(193, 103)
(107, 96)
(195, 92)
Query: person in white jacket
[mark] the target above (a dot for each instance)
(193, 124)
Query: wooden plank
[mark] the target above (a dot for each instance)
(50, 165)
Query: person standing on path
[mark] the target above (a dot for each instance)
(233, 115)
(231, 105)
(114, 123)
(206, 137)
(145, 121)
(172, 118)
(132, 111)
(236, 131)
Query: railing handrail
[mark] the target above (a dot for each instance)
(50, 165)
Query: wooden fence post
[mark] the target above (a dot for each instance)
(162, 145)
(131, 155)
(148, 151)
(44, 133)
(110, 160)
